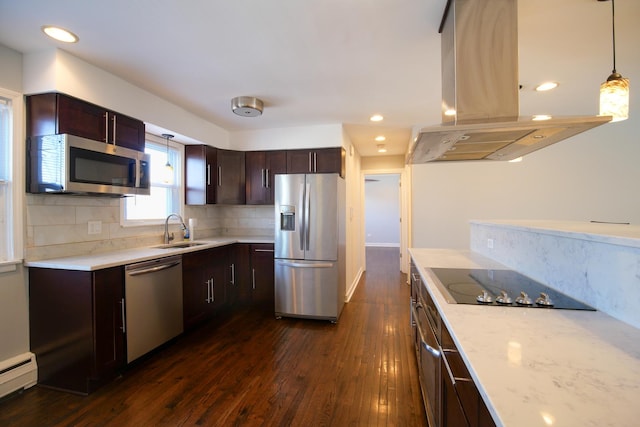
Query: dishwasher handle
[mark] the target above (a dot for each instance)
(153, 269)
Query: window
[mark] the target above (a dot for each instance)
(165, 197)
(11, 182)
(6, 180)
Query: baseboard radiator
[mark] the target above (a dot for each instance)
(17, 373)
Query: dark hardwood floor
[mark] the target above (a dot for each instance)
(250, 369)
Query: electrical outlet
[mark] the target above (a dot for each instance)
(490, 243)
(94, 227)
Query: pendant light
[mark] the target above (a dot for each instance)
(168, 169)
(614, 92)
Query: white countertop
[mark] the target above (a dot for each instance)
(541, 367)
(113, 259)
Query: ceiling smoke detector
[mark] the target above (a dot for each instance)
(246, 106)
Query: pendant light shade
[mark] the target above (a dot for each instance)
(614, 98)
(614, 92)
(168, 169)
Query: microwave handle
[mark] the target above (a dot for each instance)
(138, 172)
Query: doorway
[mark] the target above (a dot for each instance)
(382, 210)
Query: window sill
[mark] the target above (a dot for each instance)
(9, 266)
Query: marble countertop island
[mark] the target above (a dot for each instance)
(537, 367)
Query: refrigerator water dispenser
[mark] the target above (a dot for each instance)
(287, 218)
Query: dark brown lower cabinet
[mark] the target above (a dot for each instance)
(450, 395)
(76, 328)
(452, 411)
(239, 289)
(252, 275)
(262, 276)
(204, 283)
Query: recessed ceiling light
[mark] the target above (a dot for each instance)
(376, 118)
(380, 138)
(381, 148)
(546, 86)
(539, 117)
(450, 112)
(60, 34)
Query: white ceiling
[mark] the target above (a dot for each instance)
(319, 61)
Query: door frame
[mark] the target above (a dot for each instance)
(405, 211)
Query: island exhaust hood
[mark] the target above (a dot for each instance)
(480, 87)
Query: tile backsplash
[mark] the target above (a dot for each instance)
(58, 225)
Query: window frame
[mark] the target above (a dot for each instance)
(179, 184)
(15, 209)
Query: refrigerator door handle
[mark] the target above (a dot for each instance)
(305, 265)
(307, 219)
(302, 224)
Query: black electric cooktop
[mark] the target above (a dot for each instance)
(502, 288)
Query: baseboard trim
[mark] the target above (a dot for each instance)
(354, 285)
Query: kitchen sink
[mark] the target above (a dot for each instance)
(179, 245)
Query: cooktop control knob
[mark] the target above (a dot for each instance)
(544, 300)
(524, 299)
(485, 298)
(504, 298)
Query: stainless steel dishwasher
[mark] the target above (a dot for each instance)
(153, 304)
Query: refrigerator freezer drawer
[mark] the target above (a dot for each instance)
(307, 289)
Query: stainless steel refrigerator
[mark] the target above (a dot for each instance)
(310, 278)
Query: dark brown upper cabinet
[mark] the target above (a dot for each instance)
(214, 176)
(323, 160)
(261, 167)
(56, 113)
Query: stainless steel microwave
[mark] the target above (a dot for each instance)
(71, 164)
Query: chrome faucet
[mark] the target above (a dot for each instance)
(168, 238)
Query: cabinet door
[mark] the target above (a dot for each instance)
(329, 160)
(81, 118)
(452, 412)
(262, 276)
(256, 189)
(125, 131)
(323, 160)
(239, 289)
(200, 174)
(230, 178)
(261, 167)
(108, 299)
(299, 161)
(195, 288)
(217, 268)
(276, 162)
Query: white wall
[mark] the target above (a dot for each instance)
(592, 176)
(382, 210)
(288, 138)
(57, 70)
(14, 305)
(355, 216)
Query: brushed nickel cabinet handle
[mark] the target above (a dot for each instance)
(113, 137)
(106, 127)
(122, 310)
